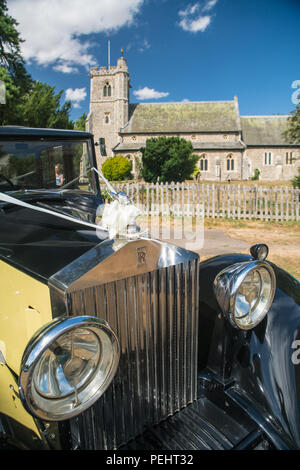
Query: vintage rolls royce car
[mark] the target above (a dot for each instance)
(129, 342)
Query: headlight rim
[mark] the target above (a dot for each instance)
(41, 341)
(228, 282)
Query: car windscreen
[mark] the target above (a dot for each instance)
(44, 164)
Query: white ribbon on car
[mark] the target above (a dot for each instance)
(116, 216)
(17, 202)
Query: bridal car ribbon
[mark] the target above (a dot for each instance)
(116, 217)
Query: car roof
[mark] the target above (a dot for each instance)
(20, 131)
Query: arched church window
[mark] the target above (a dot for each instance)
(230, 163)
(107, 89)
(203, 162)
(106, 118)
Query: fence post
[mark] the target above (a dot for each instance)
(223, 201)
(182, 198)
(286, 203)
(239, 201)
(203, 201)
(271, 204)
(172, 198)
(281, 204)
(255, 201)
(198, 199)
(292, 203)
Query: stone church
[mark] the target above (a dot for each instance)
(230, 146)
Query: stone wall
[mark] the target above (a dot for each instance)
(274, 166)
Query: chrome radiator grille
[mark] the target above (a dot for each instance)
(155, 316)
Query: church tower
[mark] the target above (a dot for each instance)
(109, 105)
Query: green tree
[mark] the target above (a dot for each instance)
(42, 108)
(12, 68)
(169, 159)
(79, 124)
(116, 168)
(292, 134)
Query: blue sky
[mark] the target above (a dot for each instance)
(175, 49)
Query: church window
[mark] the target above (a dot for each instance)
(230, 163)
(107, 118)
(268, 158)
(289, 158)
(203, 163)
(107, 89)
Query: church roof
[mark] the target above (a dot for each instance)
(202, 116)
(264, 130)
(126, 147)
(230, 145)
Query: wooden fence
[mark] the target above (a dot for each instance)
(212, 200)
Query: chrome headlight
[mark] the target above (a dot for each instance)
(245, 292)
(67, 366)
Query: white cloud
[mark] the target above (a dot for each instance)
(65, 68)
(149, 94)
(76, 96)
(54, 30)
(200, 24)
(190, 10)
(209, 5)
(193, 18)
(144, 46)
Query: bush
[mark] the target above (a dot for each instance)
(296, 180)
(117, 168)
(169, 159)
(256, 175)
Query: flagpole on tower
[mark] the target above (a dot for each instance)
(108, 53)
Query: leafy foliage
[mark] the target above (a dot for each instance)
(168, 159)
(79, 124)
(292, 134)
(256, 174)
(12, 68)
(41, 108)
(296, 180)
(116, 168)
